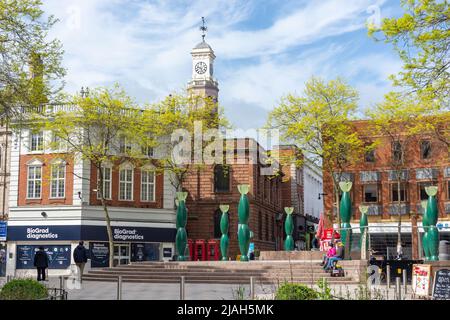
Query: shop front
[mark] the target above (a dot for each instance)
(131, 244)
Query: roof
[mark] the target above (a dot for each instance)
(203, 45)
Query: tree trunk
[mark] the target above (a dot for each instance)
(107, 218)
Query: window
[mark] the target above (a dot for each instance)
(125, 145)
(221, 178)
(267, 228)
(369, 156)
(421, 187)
(397, 153)
(370, 193)
(37, 141)
(57, 142)
(126, 184)
(260, 226)
(395, 193)
(147, 185)
(425, 149)
(217, 217)
(106, 183)
(34, 182)
(58, 180)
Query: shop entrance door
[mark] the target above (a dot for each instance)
(121, 254)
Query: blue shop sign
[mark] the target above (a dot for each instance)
(3, 230)
(90, 233)
(58, 255)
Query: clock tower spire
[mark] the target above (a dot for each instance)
(202, 83)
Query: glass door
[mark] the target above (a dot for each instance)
(121, 254)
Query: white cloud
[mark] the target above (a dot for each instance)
(145, 46)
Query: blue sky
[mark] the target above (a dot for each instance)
(264, 49)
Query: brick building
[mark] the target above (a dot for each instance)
(375, 185)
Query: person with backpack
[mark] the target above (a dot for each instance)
(80, 256)
(41, 263)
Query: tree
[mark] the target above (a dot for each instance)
(397, 119)
(318, 122)
(422, 39)
(94, 129)
(30, 64)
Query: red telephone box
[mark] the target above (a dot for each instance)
(213, 250)
(200, 250)
(191, 249)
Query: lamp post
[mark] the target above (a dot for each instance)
(224, 241)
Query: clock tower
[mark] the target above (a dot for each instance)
(203, 83)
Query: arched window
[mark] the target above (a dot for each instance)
(217, 217)
(221, 178)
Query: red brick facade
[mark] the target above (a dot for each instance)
(264, 197)
(45, 199)
(136, 202)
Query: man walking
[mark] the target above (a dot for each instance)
(41, 263)
(80, 257)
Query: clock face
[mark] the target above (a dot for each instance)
(201, 67)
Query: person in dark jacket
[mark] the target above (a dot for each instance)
(41, 263)
(80, 256)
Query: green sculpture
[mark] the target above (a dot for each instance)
(346, 214)
(224, 240)
(431, 236)
(363, 227)
(289, 228)
(426, 226)
(243, 215)
(181, 237)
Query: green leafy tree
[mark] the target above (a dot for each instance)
(102, 129)
(318, 122)
(30, 64)
(422, 39)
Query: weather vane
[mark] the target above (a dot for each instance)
(203, 29)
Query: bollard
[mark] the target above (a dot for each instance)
(182, 288)
(388, 276)
(252, 288)
(119, 288)
(405, 282)
(398, 288)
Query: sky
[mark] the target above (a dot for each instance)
(265, 48)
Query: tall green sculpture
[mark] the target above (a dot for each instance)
(224, 240)
(181, 237)
(243, 215)
(431, 235)
(426, 226)
(363, 227)
(346, 214)
(289, 228)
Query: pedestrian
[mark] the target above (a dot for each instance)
(315, 243)
(41, 263)
(80, 257)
